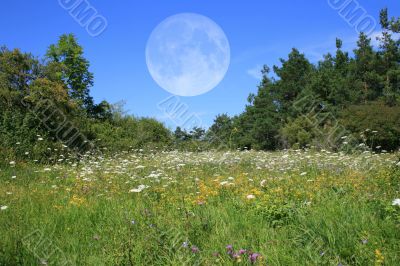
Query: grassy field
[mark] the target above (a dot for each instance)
(211, 208)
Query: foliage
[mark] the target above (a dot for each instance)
(47, 106)
(375, 124)
(299, 105)
(337, 84)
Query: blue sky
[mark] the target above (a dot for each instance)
(259, 32)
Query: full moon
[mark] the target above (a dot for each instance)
(188, 54)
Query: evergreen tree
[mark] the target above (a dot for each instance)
(367, 81)
(390, 57)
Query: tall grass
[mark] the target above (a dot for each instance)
(307, 214)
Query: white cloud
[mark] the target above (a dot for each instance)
(255, 72)
(378, 34)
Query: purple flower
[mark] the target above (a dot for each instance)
(229, 249)
(242, 251)
(253, 257)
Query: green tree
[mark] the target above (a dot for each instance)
(293, 76)
(367, 80)
(197, 133)
(221, 130)
(74, 67)
(390, 58)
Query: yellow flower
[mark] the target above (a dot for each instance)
(379, 259)
(77, 201)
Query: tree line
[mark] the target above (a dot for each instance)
(345, 99)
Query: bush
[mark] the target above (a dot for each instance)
(375, 123)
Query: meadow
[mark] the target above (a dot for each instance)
(209, 208)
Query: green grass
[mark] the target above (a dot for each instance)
(312, 209)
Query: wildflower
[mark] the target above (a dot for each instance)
(133, 222)
(14, 177)
(304, 173)
(139, 189)
(379, 258)
(242, 251)
(3, 208)
(364, 241)
(253, 257)
(77, 201)
(263, 183)
(396, 202)
(40, 139)
(250, 197)
(185, 244)
(195, 249)
(229, 250)
(12, 163)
